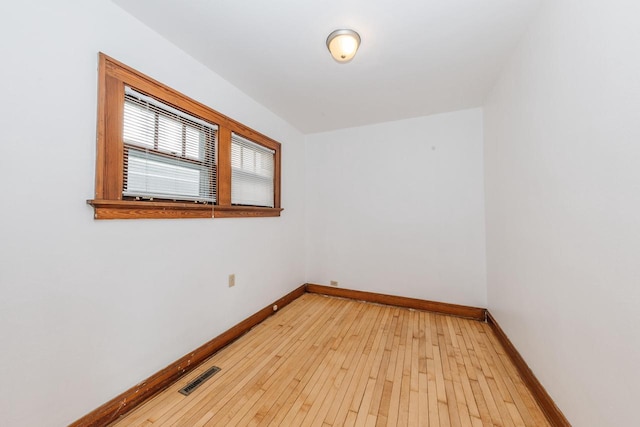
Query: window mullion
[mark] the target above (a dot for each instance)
(224, 166)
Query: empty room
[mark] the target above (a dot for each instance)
(322, 213)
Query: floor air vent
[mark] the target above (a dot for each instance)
(186, 390)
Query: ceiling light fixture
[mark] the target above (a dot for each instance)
(343, 45)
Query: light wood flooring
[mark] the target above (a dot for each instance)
(324, 361)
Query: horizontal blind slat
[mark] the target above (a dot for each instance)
(252, 173)
(168, 153)
(132, 93)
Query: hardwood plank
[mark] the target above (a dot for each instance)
(336, 374)
(399, 301)
(359, 371)
(527, 408)
(445, 352)
(352, 365)
(396, 380)
(234, 395)
(248, 345)
(146, 389)
(340, 381)
(432, 387)
(374, 357)
(405, 389)
(552, 412)
(386, 396)
(326, 361)
(484, 375)
(479, 412)
(377, 371)
(303, 383)
(297, 381)
(235, 363)
(381, 379)
(414, 382)
(465, 406)
(325, 376)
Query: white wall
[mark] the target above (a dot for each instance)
(398, 208)
(562, 167)
(89, 308)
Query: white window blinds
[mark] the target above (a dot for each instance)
(168, 154)
(252, 173)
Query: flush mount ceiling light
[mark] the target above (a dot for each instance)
(343, 45)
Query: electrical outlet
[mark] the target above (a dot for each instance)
(232, 280)
(334, 283)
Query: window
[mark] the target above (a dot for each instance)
(166, 153)
(161, 154)
(251, 173)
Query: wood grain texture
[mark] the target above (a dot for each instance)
(159, 90)
(113, 76)
(326, 361)
(544, 400)
(111, 157)
(159, 381)
(418, 304)
(245, 211)
(101, 127)
(130, 209)
(224, 167)
(121, 209)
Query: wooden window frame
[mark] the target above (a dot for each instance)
(108, 203)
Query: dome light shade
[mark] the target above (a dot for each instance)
(343, 45)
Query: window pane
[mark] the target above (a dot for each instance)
(252, 173)
(247, 160)
(139, 125)
(264, 164)
(150, 175)
(251, 189)
(169, 135)
(236, 156)
(187, 171)
(195, 140)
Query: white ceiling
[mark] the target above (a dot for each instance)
(417, 57)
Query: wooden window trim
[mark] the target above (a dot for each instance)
(108, 203)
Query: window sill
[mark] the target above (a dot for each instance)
(130, 209)
(244, 212)
(134, 209)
